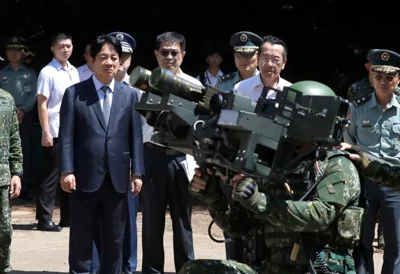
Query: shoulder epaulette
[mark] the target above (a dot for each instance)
(226, 77)
(362, 100)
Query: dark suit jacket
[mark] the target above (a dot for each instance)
(88, 148)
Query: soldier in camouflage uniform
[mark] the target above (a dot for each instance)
(284, 234)
(10, 173)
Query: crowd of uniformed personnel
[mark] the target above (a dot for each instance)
(167, 181)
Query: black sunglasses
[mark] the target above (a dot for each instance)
(166, 53)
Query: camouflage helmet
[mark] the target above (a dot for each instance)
(311, 88)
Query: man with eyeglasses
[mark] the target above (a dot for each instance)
(272, 58)
(166, 178)
(245, 44)
(375, 128)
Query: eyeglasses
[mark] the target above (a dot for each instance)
(247, 55)
(388, 77)
(266, 60)
(166, 53)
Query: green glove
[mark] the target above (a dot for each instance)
(247, 194)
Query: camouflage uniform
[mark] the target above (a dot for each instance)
(362, 88)
(383, 174)
(330, 218)
(10, 165)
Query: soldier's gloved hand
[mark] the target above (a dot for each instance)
(205, 189)
(356, 154)
(245, 191)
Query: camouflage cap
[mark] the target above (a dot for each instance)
(14, 42)
(128, 43)
(386, 61)
(245, 41)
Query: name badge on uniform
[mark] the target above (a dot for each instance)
(366, 124)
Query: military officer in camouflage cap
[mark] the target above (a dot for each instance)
(245, 45)
(365, 86)
(10, 173)
(375, 128)
(21, 83)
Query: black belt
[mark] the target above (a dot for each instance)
(164, 150)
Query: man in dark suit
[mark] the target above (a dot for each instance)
(100, 139)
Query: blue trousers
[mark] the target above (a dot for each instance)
(388, 202)
(129, 252)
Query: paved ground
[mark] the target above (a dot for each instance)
(47, 252)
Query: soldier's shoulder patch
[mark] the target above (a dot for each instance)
(226, 77)
(362, 100)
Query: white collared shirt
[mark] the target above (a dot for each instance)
(53, 80)
(211, 79)
(84, 72)
(98, 85)
(253, 86)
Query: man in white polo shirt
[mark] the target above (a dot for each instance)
(272, 58)
(53, 80)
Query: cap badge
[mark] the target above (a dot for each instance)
(243, 37)
(119, 36)
(385, 56)
(14, 40)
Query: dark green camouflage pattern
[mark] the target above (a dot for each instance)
(10, 164)
(383, 174)
(332, 207)
(5, 229)
(216, 267)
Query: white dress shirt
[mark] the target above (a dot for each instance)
(84, 72)
(53, 80)
(253, 86)
(98, 85)
(211, 79)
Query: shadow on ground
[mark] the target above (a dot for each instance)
(24, 226)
